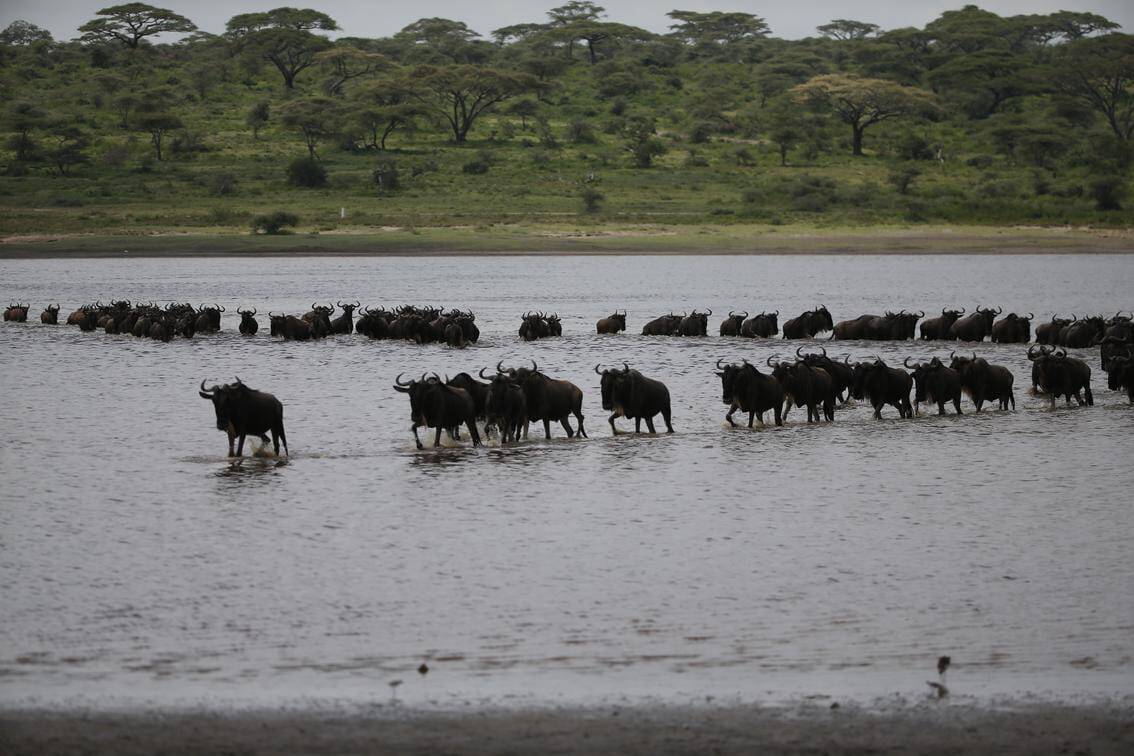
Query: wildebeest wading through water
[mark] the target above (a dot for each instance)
(243, 411)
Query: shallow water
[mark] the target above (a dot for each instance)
(137, 563)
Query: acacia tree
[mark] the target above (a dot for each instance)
(132, 22)
(313, 118)
(1100, 72)
(845, 29)
(347, 63)
(158, 125)
(716, 28)
(23, 33)
(381, 109)
(284, 37)
(861, 102)
(459, 95)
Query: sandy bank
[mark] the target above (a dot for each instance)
(646, 240)
(811, 728)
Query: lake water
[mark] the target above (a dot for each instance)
(138, 565)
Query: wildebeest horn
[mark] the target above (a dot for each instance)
(219, 307)
(823, 350)
(625, 368)
(974, 355)
(1030, 316)
(962, 311)
(206, 392)
(597, 370)
(719, 366)
(481, 373)
(535, 367)
(768, 361)
(1074, 317)
(731, 314)
(951, 355)
(1031, 354)
(920, 314)
(710, 312)
(906, 362)
(339, 303)
(942, 310)
(797, 352)
(398, 381)
(499, 367)
(999, 310)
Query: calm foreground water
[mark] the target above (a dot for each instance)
(138, 565)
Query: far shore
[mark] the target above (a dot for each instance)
(600, 240)
(819, 727)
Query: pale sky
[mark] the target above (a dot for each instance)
(381, 18)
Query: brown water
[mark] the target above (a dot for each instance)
(138, 565)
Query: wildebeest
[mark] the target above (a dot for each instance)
(319, 318)
(1120, 327)
(762, 326)
(1048, 333)
(933, 382)
(1120, 375)
(50, 315)
(975, 326)
(209, 318)
(809, 324)
(290, 327)
(17, 313)
(730, 326)
(854, 329)
(695, 324)
(345, 322)
(842, 373)
(627, 393)
(477, 390)
(548, 399)
(666, 325)
(746, 389)
(506, 407)
(537, 325)
(1013, 329)
(984, 381)
(248, 324)
(1082, 333)
(242, 411)
(937, 329)
(1059, 375)
(883, 385)
(805, 386)
(434, 404)
(894, 326)
(1111, 347)
(614, 323)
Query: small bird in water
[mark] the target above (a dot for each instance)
(939, 687)
(423, 669)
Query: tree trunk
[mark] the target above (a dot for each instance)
(856, 140)
(591, 50)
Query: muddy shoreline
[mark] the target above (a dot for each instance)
(811, 727)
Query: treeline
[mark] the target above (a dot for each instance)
(1049, 93)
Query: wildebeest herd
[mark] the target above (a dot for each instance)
(508, 400)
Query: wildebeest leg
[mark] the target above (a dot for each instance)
(1090, 396)
(752, 415)
(240, 446)
(728, 416)
(669, 426)
(638, 425)
(957, 405)
(941, 408)
(579, 417)
(546, 428)
(613, 429)
(787, 407)
(455, 433)
(878, 411)
(416, 440)
(779, 417)
(567, 427)
(471, 423)
(437, 438)
(829, 409)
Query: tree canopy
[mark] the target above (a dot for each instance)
(130, 23)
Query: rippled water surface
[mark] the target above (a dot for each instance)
(137, 562)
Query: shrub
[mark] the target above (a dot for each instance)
(386, 176)
(592, 199)
(696, 160)
(222, 184)
(618, 107)
(541, 158)
(581, 132)
(1108, 192)
(903, 176)
(751, 196)
(306, 171)
(475, 167)
(743, 157)
(63, 200)
(273, 223)
(915, 147)
(981, 162)
(701, 132)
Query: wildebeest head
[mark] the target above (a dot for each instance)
(222, 398)
(417, 390)
(349, 308)
(611, 381)
(277, 323)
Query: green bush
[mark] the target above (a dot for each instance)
(273, 223)
(581, 132)
(1108, 192)
(307, 172)
(222, 184)
(385, 176)
(592, 199)
(475, 167)
(903, 176)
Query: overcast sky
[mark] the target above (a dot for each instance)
(380, 18)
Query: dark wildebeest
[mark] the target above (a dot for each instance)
(883, 385)
(208, 318)
(549, 399)
(454, 336)
(627, 393)
(1059, 375)
(535, 326)
(290, 327)
(248, 324)
(893, 326)
(17, 313)
(50, 315)
(746, 389)
(983, 381)
(467, 321)
(345, 322)
(1013, 329)
(319, 318)
(763, 326)
(242, 411)
(1048, 333)
(933, 382)
(613, 324)
(730, 326)
(436, 405)
(1120, 375)
(810, 323)
(853, 330)
(805, 386)
(476, 390)
(1083, 333)
(974, 326)
(666, 325)
(160, 330)
(937, 329)
(506, 407)
(842, 374)
(696, 324)
(1120, 327)
(1111, 347)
